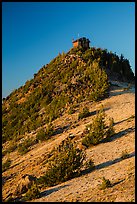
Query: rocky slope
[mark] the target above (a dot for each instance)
(38, 116)
(107, 156)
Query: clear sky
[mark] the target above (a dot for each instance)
(33, 33)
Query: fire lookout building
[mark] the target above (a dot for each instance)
(82, 42)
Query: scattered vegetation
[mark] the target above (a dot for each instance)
(105, 183)
(23, 147)
(85, 113)
(65, 163)
(89, 164)
(41, 135)
(110, 128)
(32, 192)
(97, 131)
(124, 154)
(68, 79)
(11, 148)
(71, 110)
(45, 134)
(6, 165)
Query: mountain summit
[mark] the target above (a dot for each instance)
(80, 74)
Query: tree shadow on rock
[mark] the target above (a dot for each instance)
(60, 130)
(52, 190)
(111, 162)
(95, 112)
(118, 135)
(118, 182)
(117, 90)
(116, 123)
(106, 164)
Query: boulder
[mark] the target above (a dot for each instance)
(24, 184)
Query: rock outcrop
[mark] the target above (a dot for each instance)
(24, 184)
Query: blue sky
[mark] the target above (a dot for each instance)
(33, 33)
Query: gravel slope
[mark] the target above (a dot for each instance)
(106, 156)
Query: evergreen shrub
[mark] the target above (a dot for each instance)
(65, 164)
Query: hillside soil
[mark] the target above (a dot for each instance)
(106, 156)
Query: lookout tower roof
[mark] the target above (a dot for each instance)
(83, 42)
